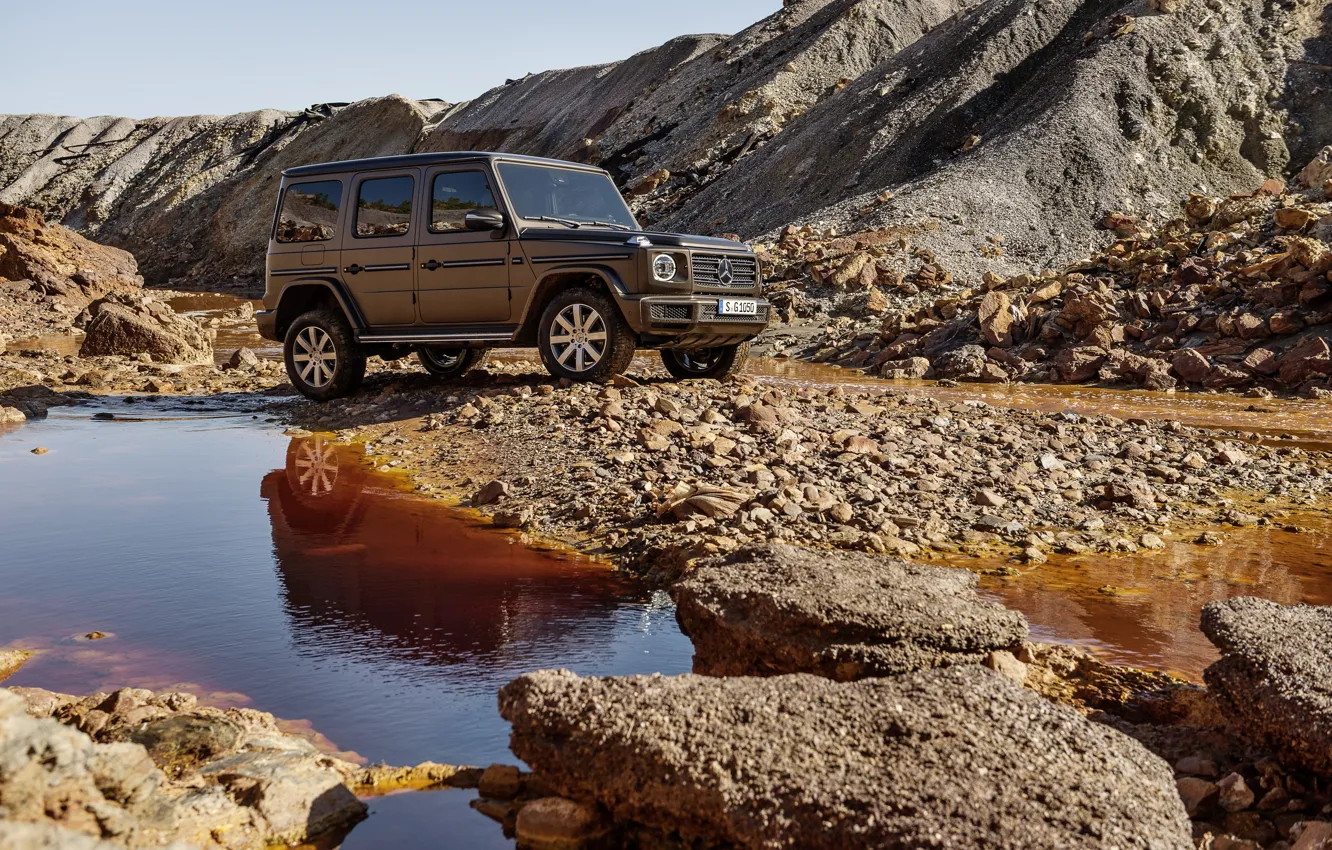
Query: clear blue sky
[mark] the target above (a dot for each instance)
(144, 58)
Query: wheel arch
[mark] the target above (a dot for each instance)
(307, 294)
(558, 280)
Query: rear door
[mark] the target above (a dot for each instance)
(462, 275)
(378, 253)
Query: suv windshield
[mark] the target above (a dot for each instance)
(542, 193)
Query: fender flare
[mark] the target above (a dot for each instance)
(607, 275)
(344, 299)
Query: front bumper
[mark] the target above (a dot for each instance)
(267, 321)
(685, 313)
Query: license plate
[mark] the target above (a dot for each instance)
(731, 307)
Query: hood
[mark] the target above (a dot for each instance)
(620, 237)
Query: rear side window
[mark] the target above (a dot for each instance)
(454, 195)
(384, 206)
(310, 212)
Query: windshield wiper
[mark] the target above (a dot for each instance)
(567, 222)
(611, 225)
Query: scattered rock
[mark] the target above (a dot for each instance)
(491, 493)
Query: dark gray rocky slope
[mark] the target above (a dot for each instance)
(1005, 118)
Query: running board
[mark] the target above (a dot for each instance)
(433, 337)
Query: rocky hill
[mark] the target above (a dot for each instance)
(959, 122)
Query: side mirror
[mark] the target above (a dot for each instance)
(485, 219)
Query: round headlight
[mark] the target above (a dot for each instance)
(664, 268)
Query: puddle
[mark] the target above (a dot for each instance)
(1143, 610)
(288, 576)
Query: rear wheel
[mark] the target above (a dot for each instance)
(323, 359)
(584, 337)
(719, 362)
(449, 363)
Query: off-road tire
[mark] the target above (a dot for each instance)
(722, 362)
(620, 342)
(348, 367)
(468, 359)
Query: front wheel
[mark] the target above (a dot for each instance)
(584, 337)
(323, 359)
(720, 362)
(450, 363)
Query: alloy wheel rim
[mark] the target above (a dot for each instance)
(442, 358)
(316, 357)
(699, 360)
(317, 467)
(578, 338)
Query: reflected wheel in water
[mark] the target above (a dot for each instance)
(315, 467)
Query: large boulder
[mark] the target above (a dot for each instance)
(781, 609)
(135, 325)
(1274, 679)
(960, 757)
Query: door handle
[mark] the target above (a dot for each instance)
(432, 265)
(353, 269)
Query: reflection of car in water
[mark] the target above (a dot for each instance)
(367, 569)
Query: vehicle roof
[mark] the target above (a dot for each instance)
(424, 159)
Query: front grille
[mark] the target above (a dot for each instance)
(708, 313)
(710, 269)
(670, 312)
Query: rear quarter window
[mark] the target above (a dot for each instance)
(384, 206)
(310, 212)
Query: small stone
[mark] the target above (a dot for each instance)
(1234, 793)
(40, 450)
(1195, 793)
(1151, 541)
(1005, 663)
(554, 823)
(500, 782)
(987, 498)
(491, 493)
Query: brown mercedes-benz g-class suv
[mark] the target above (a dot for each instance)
(449, 254)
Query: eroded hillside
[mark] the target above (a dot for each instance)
(995, 134)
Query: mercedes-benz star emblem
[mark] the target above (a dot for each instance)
(725, 274)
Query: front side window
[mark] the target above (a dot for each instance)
(584, 197)
(310, 212)
(454, 195)
(384, 206)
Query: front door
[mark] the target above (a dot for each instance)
(462, 275)
(378, 255)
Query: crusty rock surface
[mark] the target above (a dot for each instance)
(130, 325)
(1274, 679)
(47, 836)
(949, 758)
(143, 769)
(777, 608)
